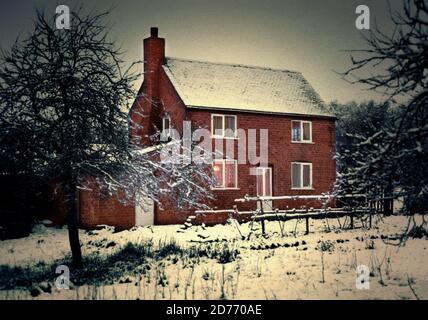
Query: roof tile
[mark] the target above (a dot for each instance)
(243, 88)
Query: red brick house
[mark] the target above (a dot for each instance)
(219, 96)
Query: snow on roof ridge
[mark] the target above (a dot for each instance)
(231, 64)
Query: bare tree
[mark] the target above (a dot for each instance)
(63, 98)
(403, 54)
(394, 158)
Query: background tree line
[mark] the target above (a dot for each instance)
(383, 147)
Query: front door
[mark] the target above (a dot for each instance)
(264, 186)
(144, 211)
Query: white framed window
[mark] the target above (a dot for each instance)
(225, 173)
(223, 126)
(166, 127)
(301, 131)
(301, 175)
(264, 182)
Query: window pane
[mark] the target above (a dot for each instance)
(306, 131)
(166, 123)
(268, 191)
(306, 175)
(165, 134)
(230, 126)
(295, 131)
(295, 175)
(218, 174)
(217, 125)
(230, 174)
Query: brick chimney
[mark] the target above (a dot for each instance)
(154, 57)
(145, 112)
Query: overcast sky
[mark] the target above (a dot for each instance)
(304, 35)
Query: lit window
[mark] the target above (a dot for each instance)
(301, 131)
(301, 175)
(223, 126)
(225, 173)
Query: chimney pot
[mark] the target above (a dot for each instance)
(154, 32)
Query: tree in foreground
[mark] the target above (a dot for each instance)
(63, 98)
(395, 157)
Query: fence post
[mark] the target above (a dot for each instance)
(352, 219)
(262, 221)
(307, 225)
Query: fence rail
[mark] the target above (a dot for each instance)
(367, 206)
(300, 197)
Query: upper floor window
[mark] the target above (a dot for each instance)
(223, 126)
(166, 127)
(226, 173)
(301, 175)
(301, 131)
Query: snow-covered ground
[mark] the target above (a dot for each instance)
(281, 265)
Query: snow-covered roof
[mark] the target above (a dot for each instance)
(243, 88)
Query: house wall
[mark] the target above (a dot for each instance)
(281, 153)
(96, 208)
(170, 102)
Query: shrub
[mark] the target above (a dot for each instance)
(325, 246)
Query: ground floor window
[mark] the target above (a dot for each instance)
(301, 175)
(166, 127)
(226, 173)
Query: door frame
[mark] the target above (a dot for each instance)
(263, 169)
(261, 174)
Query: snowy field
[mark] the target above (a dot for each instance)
(285, 264)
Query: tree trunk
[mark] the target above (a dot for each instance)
(388, 204)
(72, 222)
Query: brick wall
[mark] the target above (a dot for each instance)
(96, 208)
(282, 152)
(170, 102)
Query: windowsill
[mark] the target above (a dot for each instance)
(226, 138)
(220, 189)
(303, 142)
(303, 189)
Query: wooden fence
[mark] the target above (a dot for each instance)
(351, 205)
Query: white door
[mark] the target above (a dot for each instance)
(264, 186)
(144, 211)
